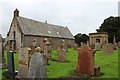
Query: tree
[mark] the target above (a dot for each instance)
(111, 25)
(81, 38)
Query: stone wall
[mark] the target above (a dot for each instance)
(54, 41)
(15, 27)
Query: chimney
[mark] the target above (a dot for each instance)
(16, 13)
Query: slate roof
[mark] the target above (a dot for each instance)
(32, 27)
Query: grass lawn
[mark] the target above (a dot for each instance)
(107, 63)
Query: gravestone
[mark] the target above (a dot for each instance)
(11, 68)
(75, 46)
(81, 43)
(48, 49)
(32, 49)
(42, 44)
(92, 46)
(88, 43)
(86, 60)
(97, 46)
(114, 43)
(2, 59)
(58, 47)
(23, 62)
(119, 44)
(107, 48)
(47, 52)
(61, 53)
(64, 46)
(37, 67)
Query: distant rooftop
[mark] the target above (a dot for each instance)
(98, 33)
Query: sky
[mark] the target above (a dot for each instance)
(80, 16)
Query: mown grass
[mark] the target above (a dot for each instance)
(58, 69)
(107, 63)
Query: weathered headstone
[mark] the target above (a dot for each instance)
(114, 43)
(75, 46)
(119, 44)
(81, 43)
(2, 59)
(88, 43)
(58, 47)
(42, 44)
(23, 62)
(64, 46)
(86, 60)
(92, 46)
(61, 54)
(48, 49)
(97, 46)
(37, 67)
(47, 52)
(11, 68)
(108, 48)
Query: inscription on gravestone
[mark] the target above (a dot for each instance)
(23, 62)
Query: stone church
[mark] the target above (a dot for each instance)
(24, 31)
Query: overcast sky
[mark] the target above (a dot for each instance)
(80, 16)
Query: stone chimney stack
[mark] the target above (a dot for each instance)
(16, 13)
